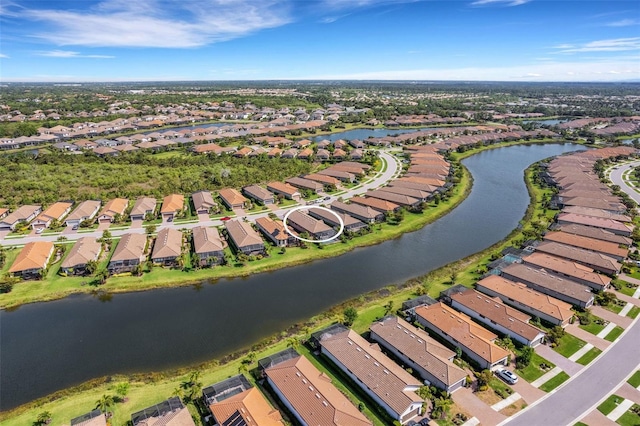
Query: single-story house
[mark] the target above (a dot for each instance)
(259, 194)
(33, 258)
(275, 232)
(168, 247)
(117, 206)
(94, 418)
(596, 261)
(208, 246)
(284, 189)
(170, 412)
(129, 253)
(350, 223)
(143, 206)
(84, 250)
(302, 223)
(339, 174)
(244, 238)
(172, 205)
(3, 212)
(604, 247)
(382, 206)
(363, 213)
(302, 183)
(56, 211)
(203, 202)
(566, 268)
(399, 199)
(232, 198)
(20, 215)
(85, 211)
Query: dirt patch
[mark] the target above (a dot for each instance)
(488, 396)
(513, 408)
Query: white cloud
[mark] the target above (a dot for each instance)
(3, 56)
(71, 54)
(624, 23)
(610, 45)
(160, 23)
(502, 2)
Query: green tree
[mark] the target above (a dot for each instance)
(150, 229)
(484, 377)
(105, 403)
(91, 267)
(122, 389)
(44, 418)
(102, 275)
(350, 315)
(524, 357)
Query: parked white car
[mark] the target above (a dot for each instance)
(507, 376)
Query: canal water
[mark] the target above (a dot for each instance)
(49, 346)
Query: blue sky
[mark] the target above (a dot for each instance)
(146, 40)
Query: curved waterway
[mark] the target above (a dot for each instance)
(53, 345)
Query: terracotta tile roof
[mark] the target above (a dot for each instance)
(207, 147)
(115, 206)
(172, 203)
(382, 376)
(130, 247)
(326, 180)
(231, 196)
(281, 187)
(312, 395)
(275, 228)
(419, 347)
(566, 267)
(595, 203)
(3, 211)
(143, 205)
(375, 203)
(527, 297)
(84, 250)
(55, 211)
(418, 179)
(206, 240)
(33, 255)
(168, 244)
(499, 313)
(597, 261)
(587, 243)
(597, 233)
(249, 406)
(84, 210)
(460, 327)
(242, 233)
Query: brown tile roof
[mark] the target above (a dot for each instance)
(84, 210)
(566, 267)
(275, 228)
(249, 406)
(281, 187)
(206, 240)
(460, 327)
(203, 200)
(84, 250)
(172, 203)
(597, 233)
(168, 244)
(337, 173)
(588, 211)
(21, 213)
(415, 193)
(242, 233)
(100, 420)
(586, 243)
(142, 205)
(597, 222)
(326, 180)
(356, 209)
(207, 147)
(419, 347)
(375, 203)
(527, 297)
(346, 167)
(130, 247)
(33, 255)
(115, 206)
(331, 218)
(595, 203)
(305, 183)
(597, 261)
(427, 181)
(303, 222)
(499, 313)
(232, 196)
(55, 211)
(313, 396)
(412, 185)
(382, 376)
(257, 192)
(400, 199)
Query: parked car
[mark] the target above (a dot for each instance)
(327, 198)
(74, 228)
(225, 218)
(39, 230)
(507, 376)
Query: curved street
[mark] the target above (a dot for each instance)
(392, 170)
(616, 177)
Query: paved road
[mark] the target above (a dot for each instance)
(585, 391)
(392, 171)
(615, 176)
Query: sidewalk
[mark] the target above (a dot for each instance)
(583, 350)
(546, 377)
(619, 319)
(591, 339)
(571, 368)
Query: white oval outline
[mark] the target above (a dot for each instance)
(286, 228)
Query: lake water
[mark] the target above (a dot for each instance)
(49, 346)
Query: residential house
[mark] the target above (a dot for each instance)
(307, 393)
(56, 211)
(303, 223)
(143, 207)
(244, 238)
(416, 349)
(566, 268)
(275, 232)
(597, 233)
(548, 283)
(23, 214)
(208, 246)
(384, 381)
(382, 206)
(172, 206)
(339, 174)
(235, 402)
(203, 203)
(33, 258)
(613, 226)
(84, 250)
(498, 316)
(363, 213)
(259, 194)
(350, 223)
(113, 208)
(609, 249)
(167, 413)
(307, 184)
(289, 153)
(459, 330)
(399, 199)
(129, 253)
(596, 261)
(518, 295)
(305, 154)
(94, 418)
(232, 198)
(168, 247)
(326, 181)
(322, 154)
(85, 211)
(356, 154)
(3, 212)
(284, 189)
(418, 194)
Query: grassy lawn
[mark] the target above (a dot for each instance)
(286, 203)
(630, 418)
(614, 334)
(610, 404)
(589, 356)
(533, 371)
(502, 389)
(633, 313)
(635, 379)
(594, 327)
(614, 307)
(554, 382)
(569, 345)
(580, 424)
(626, 287)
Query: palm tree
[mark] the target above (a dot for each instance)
(44, 418)
(105, 403)
(102, 276)
(91, 267)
